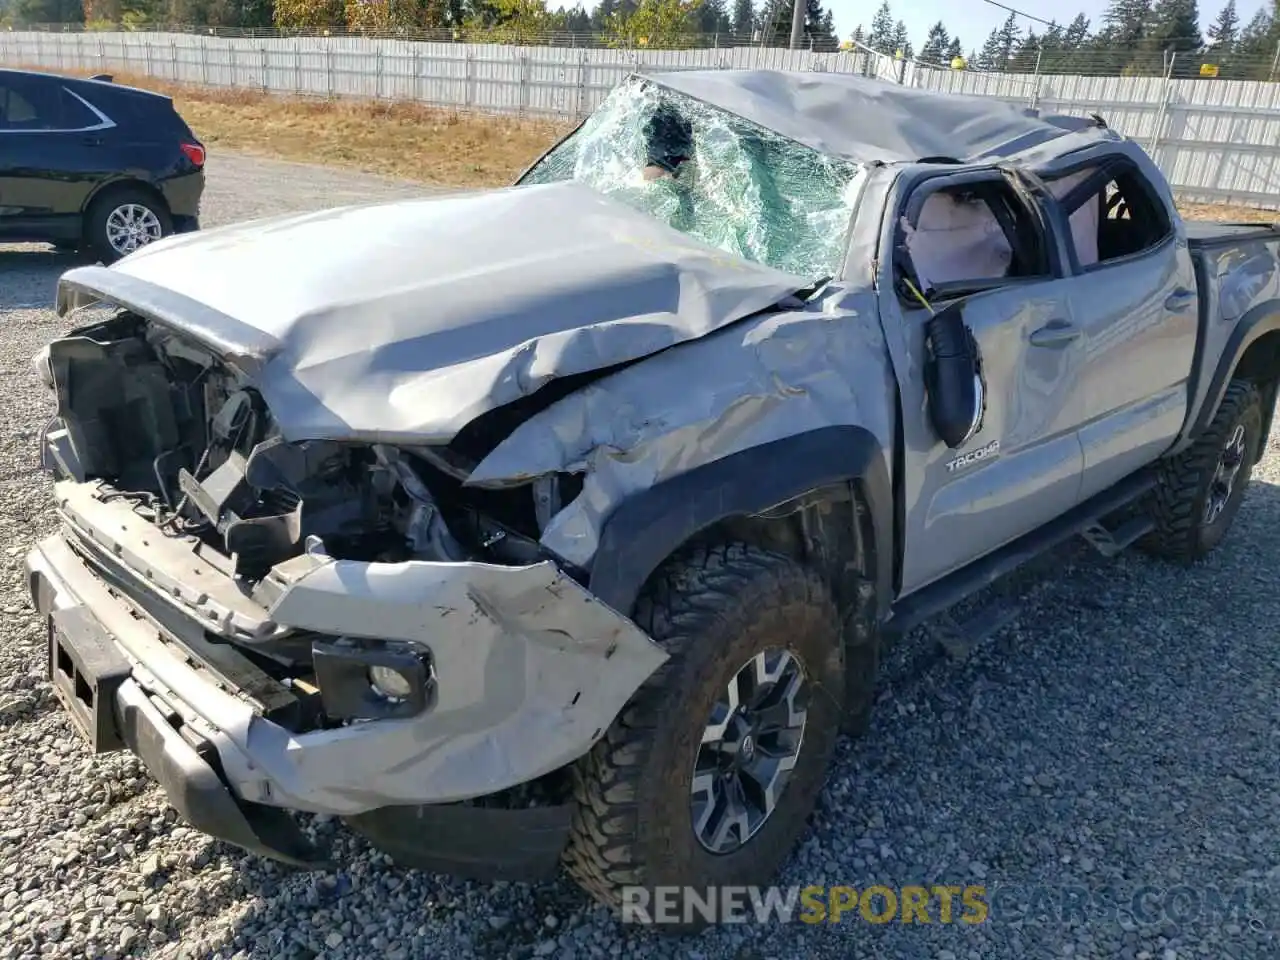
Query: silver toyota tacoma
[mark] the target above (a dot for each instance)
(563, 524)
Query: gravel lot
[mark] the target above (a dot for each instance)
(1124, 732)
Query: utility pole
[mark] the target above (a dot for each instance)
(797, 23)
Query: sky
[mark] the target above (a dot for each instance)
(974, 19)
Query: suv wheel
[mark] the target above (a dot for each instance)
(708, 775)
(123, 220)
(1200, 490)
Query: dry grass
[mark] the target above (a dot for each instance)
(438, 147)
(1227, 212)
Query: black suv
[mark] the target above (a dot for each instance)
(90, 164)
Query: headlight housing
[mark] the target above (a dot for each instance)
(373, 679)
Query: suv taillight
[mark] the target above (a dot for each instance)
(193, 152)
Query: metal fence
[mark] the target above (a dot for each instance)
(1216, 139)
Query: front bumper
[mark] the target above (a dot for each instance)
(530, 670)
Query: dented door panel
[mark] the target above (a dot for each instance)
(1022, 467)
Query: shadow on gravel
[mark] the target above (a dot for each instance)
(1119, 734)
(29, 275)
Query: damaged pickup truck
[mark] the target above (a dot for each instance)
(562, 523)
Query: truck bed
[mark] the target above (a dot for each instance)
(1207, 233)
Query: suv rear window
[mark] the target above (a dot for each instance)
(43, 106)
(16, 111)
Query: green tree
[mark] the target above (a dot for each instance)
(1174, 26)
(880, 38)
(713, 18)
(1077, 33)
(936, 43)
(601, 13)
(1124, 24)
(1225, 30)
(899, 43)
(744, 19)
(819, 30)
(1001, 43)
(954, 49)
(577, 21)
(1026, 56)
(988, 58)
(308, 14)
(1256, 47)
(1065, 55)
(48, 11)
(655, 24)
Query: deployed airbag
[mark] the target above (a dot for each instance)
(956, 239)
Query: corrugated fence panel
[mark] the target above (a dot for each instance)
(1215, 139)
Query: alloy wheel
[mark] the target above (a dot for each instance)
(1224, 476)
(748, 750)
(130, 226)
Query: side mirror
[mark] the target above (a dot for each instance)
(953, 377)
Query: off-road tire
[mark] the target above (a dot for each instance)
(1178, 502)
(712, 608)
(95, 220)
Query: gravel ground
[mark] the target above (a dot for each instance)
(1122, 733)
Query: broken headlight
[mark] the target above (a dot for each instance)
(373, 679)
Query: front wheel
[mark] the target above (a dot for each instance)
(123, 220)
(708, 775)
(1199, 490)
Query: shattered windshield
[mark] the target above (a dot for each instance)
(709, 174)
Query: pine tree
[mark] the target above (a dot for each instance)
(881, 36)
(954, 49)
(935, 44)
(712, 18)
(1175, 26)
(1226, 29)
(744, 19)
(1026, 56)
(602, 14)
(899, 42)
(1009, 36)
(1124, 24)
(819, 32)
(859, 36)
(1077, 33)
(1256, 47)
(988, 58)
(1001, 43)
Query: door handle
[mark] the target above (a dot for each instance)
(1179, 300)
(92, 141)
(1056, 333)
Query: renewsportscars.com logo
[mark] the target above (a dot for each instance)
(1255, 904)
(812, 904)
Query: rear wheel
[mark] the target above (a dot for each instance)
(125, 219)
(1200, 490)
(708, 775)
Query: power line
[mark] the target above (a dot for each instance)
(1047, 23)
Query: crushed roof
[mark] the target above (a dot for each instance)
(866, 120)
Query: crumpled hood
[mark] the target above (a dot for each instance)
(403, 321)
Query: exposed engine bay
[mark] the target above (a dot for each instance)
(183, 436)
